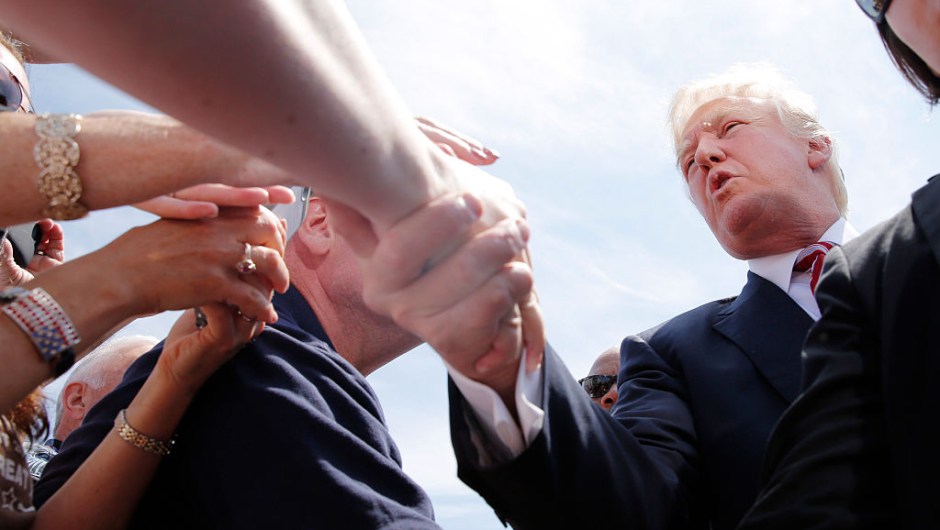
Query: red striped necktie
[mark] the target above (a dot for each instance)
(811, 259)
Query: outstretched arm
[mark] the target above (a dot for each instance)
(166, 265)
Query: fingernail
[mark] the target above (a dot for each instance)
(492, 152)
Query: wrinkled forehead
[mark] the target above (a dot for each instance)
(709, 116)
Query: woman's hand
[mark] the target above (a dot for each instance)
(203, 201)
(193, 353)
(173, 264)
(49, 253)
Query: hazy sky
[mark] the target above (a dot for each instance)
(574, 96)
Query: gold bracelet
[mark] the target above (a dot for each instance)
(57, 153)
(139, 439)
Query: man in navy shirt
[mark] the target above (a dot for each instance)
(335, 464)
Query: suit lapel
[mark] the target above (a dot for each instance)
(926, 206)
(769, 327)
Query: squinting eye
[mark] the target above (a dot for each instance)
(731, 124)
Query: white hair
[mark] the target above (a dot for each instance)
(762, 81)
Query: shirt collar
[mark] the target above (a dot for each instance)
(778, 268)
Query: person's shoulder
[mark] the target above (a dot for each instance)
(690, 327)
(701, 316)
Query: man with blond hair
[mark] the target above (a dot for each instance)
(700, 393)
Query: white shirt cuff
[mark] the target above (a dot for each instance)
(494, 417)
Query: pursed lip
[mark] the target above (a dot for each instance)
(717, 181)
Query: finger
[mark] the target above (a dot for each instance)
(280, 195)
(448, 150)
(271, 270)
(171, 208)
(225, 331)
(473, 264)
(503, 355)
(51, 245)
(264, 228)
(485, 323)
(424, 237)
(457, 144)
(533, 331)
(225, 195)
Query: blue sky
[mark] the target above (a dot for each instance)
(574, 97)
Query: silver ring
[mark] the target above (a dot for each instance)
(246, 265)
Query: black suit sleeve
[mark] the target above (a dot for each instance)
(831, 441)
(586, 467)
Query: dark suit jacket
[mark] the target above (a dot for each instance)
(698, 398)
(861, 447)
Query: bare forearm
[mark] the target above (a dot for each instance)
(104, 492)
(94, 309)
(291, 82)
(126, 157)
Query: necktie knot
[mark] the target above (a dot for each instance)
(811, 259)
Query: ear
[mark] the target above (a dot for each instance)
(315, 235)
(73, 400)
(820, 151)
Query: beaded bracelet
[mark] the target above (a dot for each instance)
(57, 153)
(139, 439)
(44, 322)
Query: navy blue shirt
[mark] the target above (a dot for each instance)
(286, 435)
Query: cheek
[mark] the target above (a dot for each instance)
(917, 24)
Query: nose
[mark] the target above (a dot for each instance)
(607, 400)
(708, 152)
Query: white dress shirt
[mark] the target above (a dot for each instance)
(496, 420)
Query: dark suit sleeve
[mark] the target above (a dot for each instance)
(585, 467)
(831, 441)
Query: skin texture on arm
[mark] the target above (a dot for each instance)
(335, 119)
(162, 266)
(127, 157)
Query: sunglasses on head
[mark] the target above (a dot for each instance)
(597, 385)
(12, 92)
(875, 9)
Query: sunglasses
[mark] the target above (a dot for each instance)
(875, 9)
(597, 386)
(12, 93)
(296, 212)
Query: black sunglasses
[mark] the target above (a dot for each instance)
(12, 92)
(597, 385)
(875, 9)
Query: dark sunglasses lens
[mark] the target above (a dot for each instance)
(873, 8)
(10, 94)
(597, 385)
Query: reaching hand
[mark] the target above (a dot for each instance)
(475, 304)
(49, 253)
(172, 264)
(194, 353)
(457, 144)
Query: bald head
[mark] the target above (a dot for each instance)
(94, 376)
(601, 381)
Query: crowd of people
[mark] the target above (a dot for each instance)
(801, 402)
